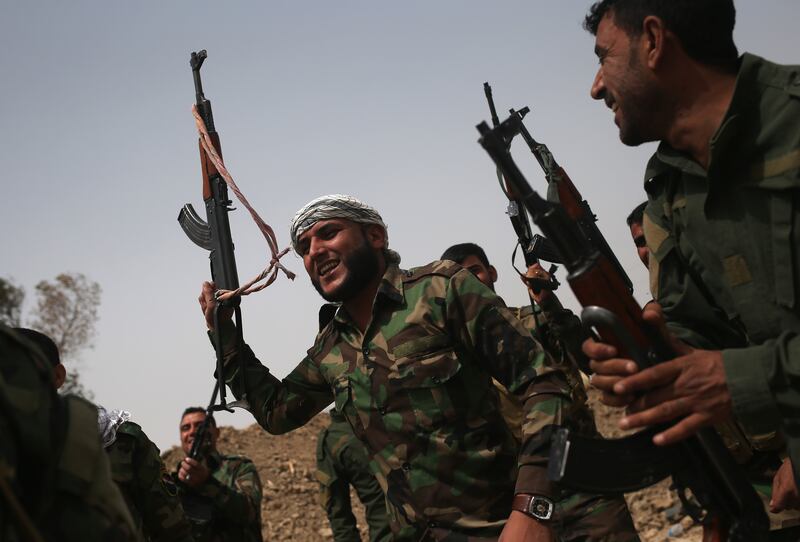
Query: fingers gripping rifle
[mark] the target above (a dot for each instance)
(534, 246)
(214, 235)
(560, 189)
(702, 463)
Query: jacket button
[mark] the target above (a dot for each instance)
(365, 350)
(382, 410)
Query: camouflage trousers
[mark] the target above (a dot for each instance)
(336, 473)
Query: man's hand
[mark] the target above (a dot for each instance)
(691, 387)
(608, 369)
(784, 489)
(536, 271)
(522, 528)
(193, 473)
(208, 303)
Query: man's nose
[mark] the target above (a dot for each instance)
(598, 89)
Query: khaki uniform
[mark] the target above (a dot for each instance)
(227, 508)
(51, 461)
(149, 491)
(725, 260)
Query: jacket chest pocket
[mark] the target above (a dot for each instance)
(343, 399)
(424, 388)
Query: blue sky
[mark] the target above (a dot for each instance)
(375, 99)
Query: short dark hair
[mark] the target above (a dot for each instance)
(460, 252)
(193, 409)
(43, 342)
(704, 27)
(637, 215)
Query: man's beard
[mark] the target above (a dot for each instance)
(361, 266)
(640, 104)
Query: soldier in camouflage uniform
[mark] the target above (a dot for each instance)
(135, 462)
(723, 230)
(342, 461)
(220, 493)
(149, 490)
(408, 360)
(578, 516)
(54, 477)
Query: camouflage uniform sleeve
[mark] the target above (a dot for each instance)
(559, 329)
(239, 502)
(496, 338)
(157, 498)
(278, 406)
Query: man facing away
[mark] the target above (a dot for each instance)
(722, 227)
(55, 481)
(220, 493)
(408, 360)
(135, 461)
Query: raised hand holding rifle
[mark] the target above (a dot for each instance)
(221, 297)
(731, 509)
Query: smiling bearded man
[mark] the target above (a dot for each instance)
(408, 360)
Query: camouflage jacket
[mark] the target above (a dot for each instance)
(416, 388)
(148, 489)
(51, 460)
(227, 507)
(724, 258)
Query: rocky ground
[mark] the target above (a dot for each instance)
(290, 509)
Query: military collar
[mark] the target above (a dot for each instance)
(390, 287)
(733, 122)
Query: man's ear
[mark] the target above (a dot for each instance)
(59, 375)
(653, 40)
(493, 274)
(376, 236)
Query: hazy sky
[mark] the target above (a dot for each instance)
(376, 99)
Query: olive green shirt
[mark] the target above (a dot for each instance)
(725, 248)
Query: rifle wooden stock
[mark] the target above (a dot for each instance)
(208, 168)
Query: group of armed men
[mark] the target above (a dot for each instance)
(452, 396)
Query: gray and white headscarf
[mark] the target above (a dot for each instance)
(338, 206)
(108, 422)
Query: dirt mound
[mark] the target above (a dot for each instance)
(290, 509)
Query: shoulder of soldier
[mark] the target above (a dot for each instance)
(442, 268)
(785, 77)
(131, 428)
(233, 462)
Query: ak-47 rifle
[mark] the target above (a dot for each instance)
(560, 189)
(729, 506)
(534, 246)
(214, 235)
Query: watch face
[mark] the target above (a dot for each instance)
(541, 508)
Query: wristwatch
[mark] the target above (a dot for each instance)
(536, 506)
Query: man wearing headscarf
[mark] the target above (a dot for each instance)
(408, 360)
